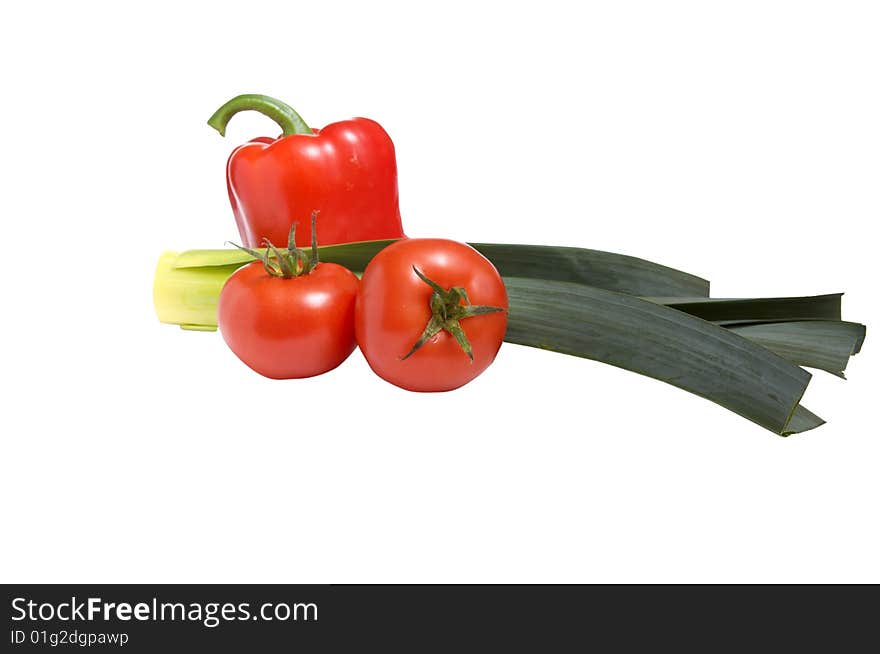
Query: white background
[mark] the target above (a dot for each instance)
(739, 141)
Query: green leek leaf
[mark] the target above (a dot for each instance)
(750, 310)
(663, 343)
(823, 344)
(615, 272)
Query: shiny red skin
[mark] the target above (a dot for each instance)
(289, 328)
(347, 171)
(393, 310)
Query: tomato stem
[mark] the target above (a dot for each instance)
(289, 263)
(447, 311)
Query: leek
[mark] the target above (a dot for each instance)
(743, 354)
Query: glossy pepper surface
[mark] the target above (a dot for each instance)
(347, 171)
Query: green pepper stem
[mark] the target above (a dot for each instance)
(288, 120)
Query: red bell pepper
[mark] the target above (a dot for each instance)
(346, 171)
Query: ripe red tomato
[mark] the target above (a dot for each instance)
(287, 328)
(397, 308)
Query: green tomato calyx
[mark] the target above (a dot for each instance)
(289, 263)
(447, 311)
